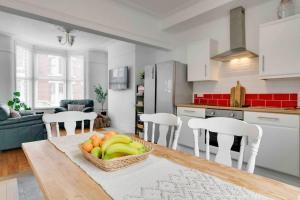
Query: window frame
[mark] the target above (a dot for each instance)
(34, 50)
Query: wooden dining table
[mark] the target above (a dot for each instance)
(59, 178)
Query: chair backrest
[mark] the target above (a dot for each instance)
(69, 119)
(168, 123)
(227, 128)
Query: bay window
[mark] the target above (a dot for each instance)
(50, 78)
(24, 73)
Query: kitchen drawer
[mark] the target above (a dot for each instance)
(273, 119)
(192, 112)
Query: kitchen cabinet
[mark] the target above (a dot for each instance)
(200, 66)
(279, 148)
(186, 136)
(279, 47)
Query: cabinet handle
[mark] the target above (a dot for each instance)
(205, 70)
(263, 63)
(268, 118)
(189, 111)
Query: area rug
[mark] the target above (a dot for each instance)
(28, 187)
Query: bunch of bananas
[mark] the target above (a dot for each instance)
(121, 145)
(112, 145)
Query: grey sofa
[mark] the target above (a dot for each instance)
(15, 131)
(88, 107)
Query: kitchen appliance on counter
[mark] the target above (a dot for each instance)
(165, 86)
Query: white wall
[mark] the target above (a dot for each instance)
(245, 71)
(6, 68)
(121, 104)
(97, 74)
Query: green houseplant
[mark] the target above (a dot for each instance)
(16, 104)
(100, 96)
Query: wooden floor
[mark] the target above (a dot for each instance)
(14, 161)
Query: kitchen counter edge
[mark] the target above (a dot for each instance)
(250, 109)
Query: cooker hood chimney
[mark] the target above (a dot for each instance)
(237, 38)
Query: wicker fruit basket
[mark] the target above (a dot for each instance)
(121, 162)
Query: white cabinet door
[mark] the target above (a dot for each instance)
(197, 58)
(279, 48)
(186, 137)
(200, 66)
(279, 148)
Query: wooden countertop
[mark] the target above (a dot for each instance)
(295, 111)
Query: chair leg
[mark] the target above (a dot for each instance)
(196, 145)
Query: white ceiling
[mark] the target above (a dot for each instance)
(159, 8)
(45, 34)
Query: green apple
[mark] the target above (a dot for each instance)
(96, 152)
(89, 141)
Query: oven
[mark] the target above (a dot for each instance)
(236, 114)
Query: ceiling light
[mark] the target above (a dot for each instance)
(66, 38)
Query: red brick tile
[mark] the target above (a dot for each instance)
(251, 96)
(291, 104)
(294, 96)
(258, 103)
(265, 96)
(195, 96)
(212, 102)
(281, 96)
(248, 102)
(223, 102)
(207, 96)
(225, 96)
(217, 96)
(273, 103)
(196, 101)
(203, 101)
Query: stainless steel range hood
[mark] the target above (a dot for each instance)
(237, 38)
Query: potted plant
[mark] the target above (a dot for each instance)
(16, 104)
(100, 97)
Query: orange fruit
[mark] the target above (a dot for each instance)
(93, 137)
(109, 134)
(87, 147)
(96, 142)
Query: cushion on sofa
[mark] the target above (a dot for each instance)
(88, 109)
(14, 114)
(4, 112)
(60, 109)
(75, 107)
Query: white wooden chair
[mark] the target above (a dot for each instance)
(164, 121)
(227, 128)
(69, 119)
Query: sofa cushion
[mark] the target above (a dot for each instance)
(14, 114)
(4, 112)
(88, 109)
(60, 109)
(75, 107)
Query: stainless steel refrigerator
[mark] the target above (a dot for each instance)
(165, 86)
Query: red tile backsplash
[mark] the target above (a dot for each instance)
(281, 96)
(265, 100)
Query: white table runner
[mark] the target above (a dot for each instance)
(153, 179)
